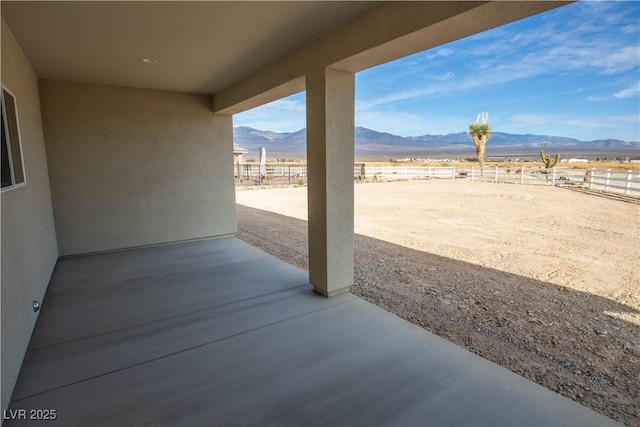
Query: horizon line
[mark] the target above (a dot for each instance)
(446, 134)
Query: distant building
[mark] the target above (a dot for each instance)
(237, 154)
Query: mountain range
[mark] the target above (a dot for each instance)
(373, 145)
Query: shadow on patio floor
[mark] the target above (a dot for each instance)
(566, 340)
(217, 332)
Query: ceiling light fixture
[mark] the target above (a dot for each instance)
(149, 60)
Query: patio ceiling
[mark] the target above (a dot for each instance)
(201, 47)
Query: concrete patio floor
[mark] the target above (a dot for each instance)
(218, 333)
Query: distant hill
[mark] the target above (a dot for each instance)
(370, 144)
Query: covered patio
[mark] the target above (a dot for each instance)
(217, 332)
(119, 216)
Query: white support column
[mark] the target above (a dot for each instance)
(330, 157)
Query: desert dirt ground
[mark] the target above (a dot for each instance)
(541, 280)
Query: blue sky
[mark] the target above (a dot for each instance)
(573, 72)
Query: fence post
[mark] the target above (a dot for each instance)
(627, 187)
(453, 175)
(592, 172)
(473, 170)
(495, 177)
(553, 177)
(607, 179)
(522, 175)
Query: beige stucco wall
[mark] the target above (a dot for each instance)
(29, 250)
(134, 167)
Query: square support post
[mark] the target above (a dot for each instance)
(330, 158)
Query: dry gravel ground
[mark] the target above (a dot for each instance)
(541, 280)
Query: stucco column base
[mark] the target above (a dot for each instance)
(331, 294)
(330, 157)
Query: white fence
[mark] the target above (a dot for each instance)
(627, 182)
(622, 182)
(406, 172)
(251, 171)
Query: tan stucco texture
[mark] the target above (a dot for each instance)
(29, 250)
(134, 167)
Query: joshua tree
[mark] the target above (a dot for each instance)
(549, 162)
(480, 131)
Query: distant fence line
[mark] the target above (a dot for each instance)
(627, 182)
(251, 171)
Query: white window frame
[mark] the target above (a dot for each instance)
(14, 185)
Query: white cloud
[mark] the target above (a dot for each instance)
(570, 57)
(409, 124)
(446, 76)
(497, 75)
(532, 119)
(283, 115)
(580, 38)
(623, 126)
(440, 53)
(286, 104)
(616, 60)
(629, 92)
